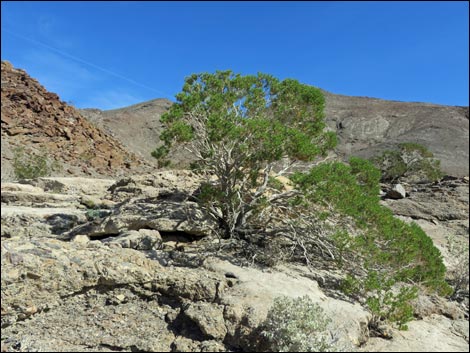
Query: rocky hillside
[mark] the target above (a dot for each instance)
(132, 263)
(144, 119)
(38, 121)
(365, 127)
(128, 265)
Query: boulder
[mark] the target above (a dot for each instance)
(163, 216)
(209, 318)
(396, 192)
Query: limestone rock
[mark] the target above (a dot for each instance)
(73, 185)
(22, 221)
(164, 185)
(143, 239)
(164, 216)
(209, 318)
(249, 299)
(433, 334)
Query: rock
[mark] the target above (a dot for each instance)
(73, 185)
(39, 122)
(209, 318)
(64, 269)
(21, 221)
(143, 239)
(170, 185)
(397, 192)
(433, 334)
(96, 203)
(190, 283)
(41, 199)
(80, 239)
(21, 188)
(212, 346)
(249, 299)
(163, 216)
(426, 306)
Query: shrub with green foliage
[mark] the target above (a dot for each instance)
(388, 250)
(411, 160)
(29, 166)
(297, 325)
(238, 127)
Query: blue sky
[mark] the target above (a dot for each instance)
(112, 54)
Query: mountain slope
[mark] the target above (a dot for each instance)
(38, 121)
(365, 126)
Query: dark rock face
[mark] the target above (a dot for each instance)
(367, 126)
(39, 121)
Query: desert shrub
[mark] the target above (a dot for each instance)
(387, 251)
(410, 160)
(297, 325)
(29, 166)
(393, 306)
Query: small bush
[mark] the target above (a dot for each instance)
(29, 166)
(412, 161)
(297, 325)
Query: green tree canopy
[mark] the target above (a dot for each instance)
(237, 127)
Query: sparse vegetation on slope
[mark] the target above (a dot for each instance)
(412, 161)
(28, 166)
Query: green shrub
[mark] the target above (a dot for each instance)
(395, 307)
(297, 325)
(410, 147)
(411, 160)
(389, 250)
(29, 166)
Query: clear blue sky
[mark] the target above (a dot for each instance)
(112, 54)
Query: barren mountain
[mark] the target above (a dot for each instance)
(137, 126)
(365, 127)
(38, 121)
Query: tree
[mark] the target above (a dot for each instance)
(238, 127)
(411, 161)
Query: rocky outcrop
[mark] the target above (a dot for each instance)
(38, 121)
(433, 334)
(441, 209)
(148, 286)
